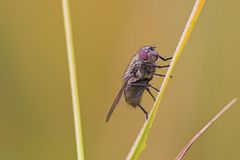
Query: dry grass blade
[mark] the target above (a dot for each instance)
(73, 79)
(187, 147)
(142, 136)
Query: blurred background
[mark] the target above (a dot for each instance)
(36, 117)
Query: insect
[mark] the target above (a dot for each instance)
(137, 77)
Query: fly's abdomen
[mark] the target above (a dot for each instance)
(133, 94)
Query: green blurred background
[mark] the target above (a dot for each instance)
(35, 105)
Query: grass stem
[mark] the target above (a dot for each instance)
(139, 144)
(73, 79)
(190, 143)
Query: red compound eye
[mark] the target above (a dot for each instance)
(143, 55)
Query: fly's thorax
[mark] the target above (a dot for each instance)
(133, 69)
(147, 70)
(138, 70)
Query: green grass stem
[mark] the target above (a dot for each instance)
(73, 79)
(140, 142)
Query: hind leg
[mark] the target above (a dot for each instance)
(144, 111)
(148, 90)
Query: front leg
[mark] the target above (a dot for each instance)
(164, 59)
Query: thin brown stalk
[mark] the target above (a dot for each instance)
(190, 143)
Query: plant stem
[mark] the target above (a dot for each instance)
(189, 144)
(139, 144)
(73, 79)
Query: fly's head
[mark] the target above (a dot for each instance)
(148, 54)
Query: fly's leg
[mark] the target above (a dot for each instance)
(153, 87)
(144, 85)
(161, 75)
(148, 90)
(139, 105)
(144, 111)
(164, 59)
(158, 66)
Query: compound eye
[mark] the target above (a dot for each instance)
(143, 55)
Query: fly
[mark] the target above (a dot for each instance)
(137, 77)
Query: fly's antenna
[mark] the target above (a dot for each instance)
(154, 45)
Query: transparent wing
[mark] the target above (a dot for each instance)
(117, 99)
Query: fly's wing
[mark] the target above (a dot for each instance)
(117, 99)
